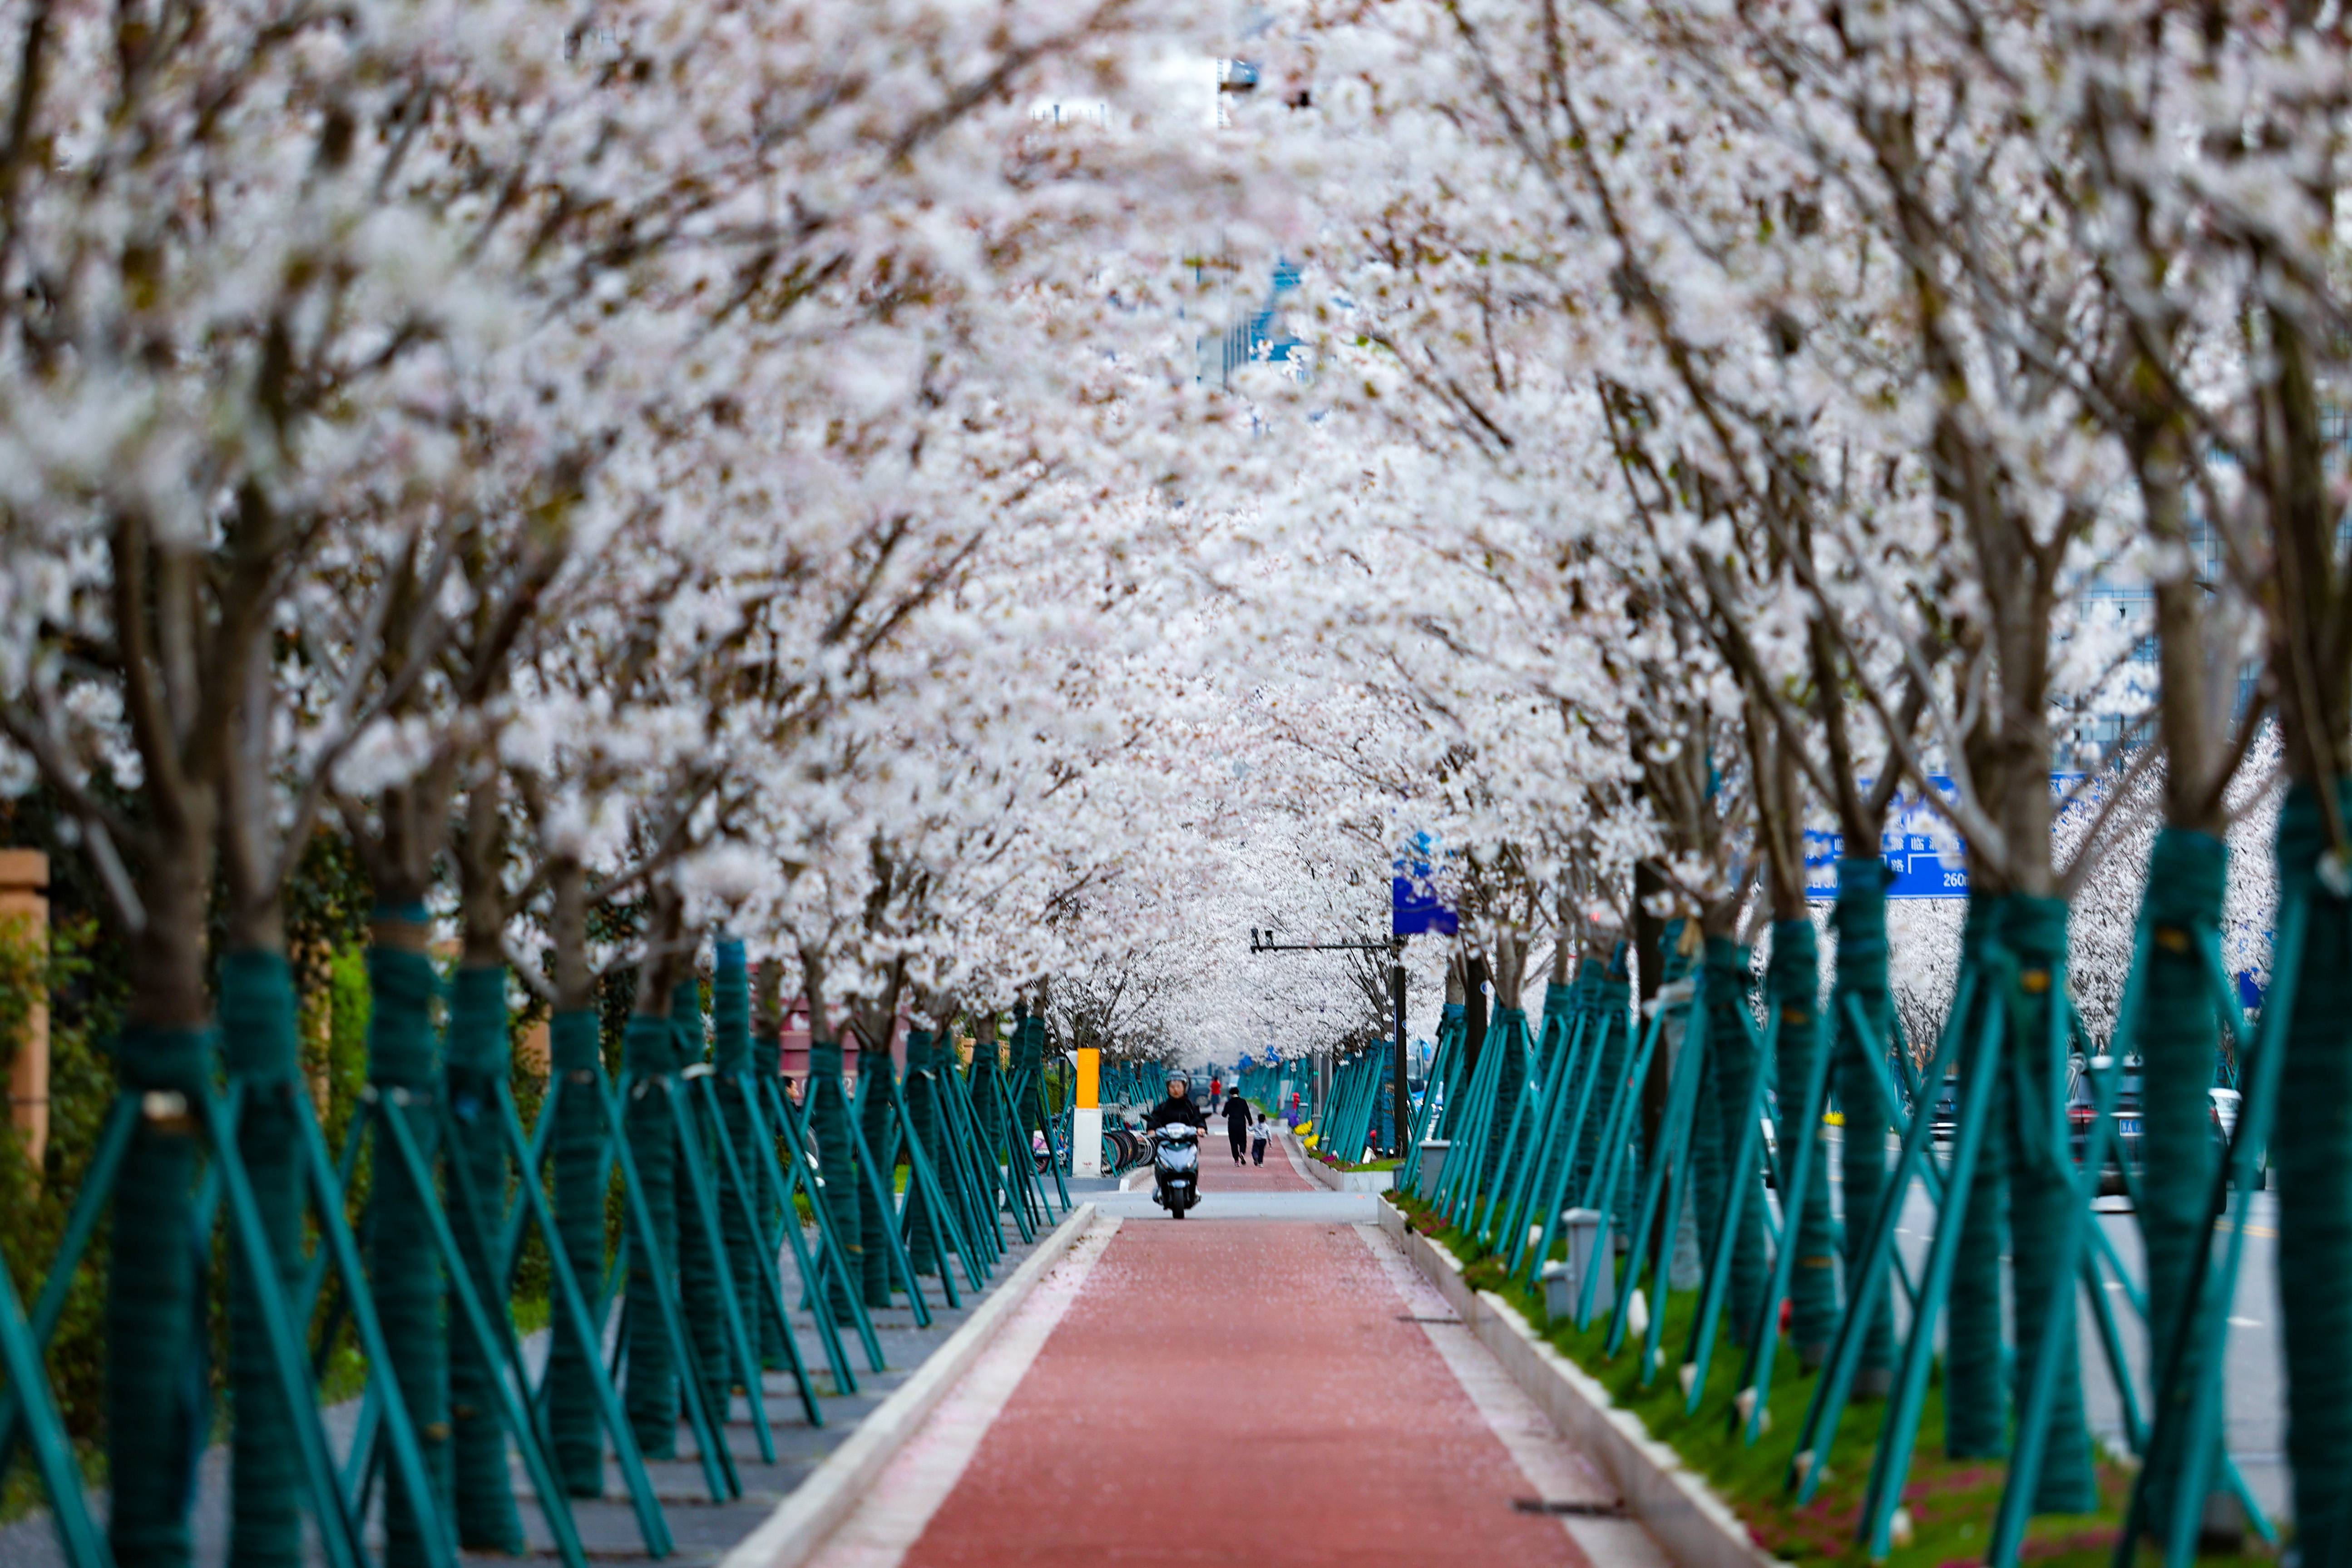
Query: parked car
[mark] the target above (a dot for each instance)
(1944, 1118)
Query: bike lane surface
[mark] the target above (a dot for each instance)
(1240, 1391)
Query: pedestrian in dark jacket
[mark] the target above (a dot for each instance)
(1237, 1121)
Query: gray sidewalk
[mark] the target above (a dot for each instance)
(702, 1529)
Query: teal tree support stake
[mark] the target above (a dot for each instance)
(1860, 984)
(476, 1065)
(1794, 981)
(403, 1265)
(257, 1036)
(2042, 1194)
(1976, 1408)
(648, 1052)
(2315, 1176)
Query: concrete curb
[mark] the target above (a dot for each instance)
(1323, 1175)
(1696, 1527)
(818, 1507)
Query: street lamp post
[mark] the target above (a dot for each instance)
(1401, 1097)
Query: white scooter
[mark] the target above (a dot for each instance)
(1176, 1168)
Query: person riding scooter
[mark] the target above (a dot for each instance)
(1177, 1106)
(1176, 1125)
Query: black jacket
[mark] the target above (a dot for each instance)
(1176, 1108)
(1237, 1112)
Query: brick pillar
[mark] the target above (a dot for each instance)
(25, 916)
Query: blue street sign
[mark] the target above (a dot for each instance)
(1414, 904)
(1922, 852)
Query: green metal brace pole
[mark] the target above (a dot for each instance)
(1892, 1462)
(1669, 1177)
(53, 1459)
(555, 1505)
(877, 1185)
(1563, 1170)
(398, 1432)
(339, 1531)
(833, 1254)
(782, 1175)
(742, 1345)
(1560, 1035)
(923, 1186)
(770, 1294)
(1756, 1376)
(577, 1316)
(709, 1435)
(81, 1223)
(1827, 1407)
(1610, 1154)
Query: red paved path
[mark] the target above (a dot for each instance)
(1239, 1392)
(1219, 1174)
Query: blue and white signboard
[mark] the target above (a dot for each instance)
(1414, 907)
(1922, 852)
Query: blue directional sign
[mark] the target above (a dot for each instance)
(1414, 904)
(1922, 852)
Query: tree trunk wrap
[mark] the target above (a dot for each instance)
(767, 1061)
(2042, 1197)
(157, 1403)
(2178, 1038)
(985, 1070)
(698, 1257)
(257, 1035)
(2313, 1162)
(1975, 1402)
(572, 1417)
(477, 1059)
(1861, 919)
(649, 1052)
(1732, 1055)
(1793, 980)
(730, 1054)
(922, 1243)
(1510, 1084)
(874, 1089)
(829, 1128)
(403, 1268)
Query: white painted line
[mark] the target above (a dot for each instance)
(898, 1507)
(1557, 1472)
